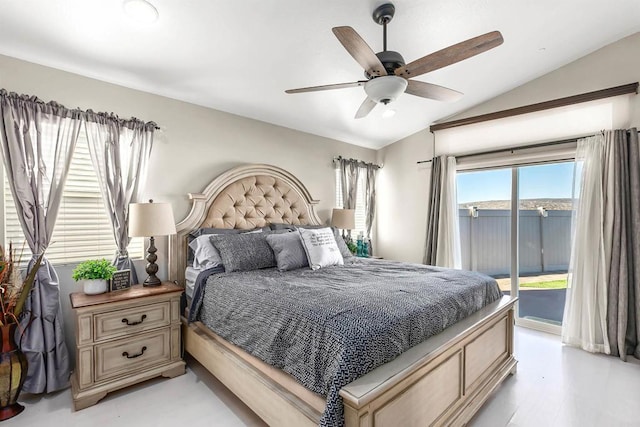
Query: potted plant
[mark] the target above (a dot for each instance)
(13, 363)
(94, 273)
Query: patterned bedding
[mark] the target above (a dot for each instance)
(331, 326)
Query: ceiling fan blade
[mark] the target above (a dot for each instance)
(365, 108)
(360, 51)
(327, 87)
(451, 55)
(431, 91)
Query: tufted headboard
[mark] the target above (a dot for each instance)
(244, 197)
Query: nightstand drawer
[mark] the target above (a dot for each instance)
(133, 354)
(132, 320)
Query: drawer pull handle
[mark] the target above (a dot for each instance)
(125, 354)
(125, 320)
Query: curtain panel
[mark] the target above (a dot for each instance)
(350, 170)
(371, 171)
(37, 142)
(349, 174)
(443, 229)
(603, 304)
(584, 323)
(623, 293)
(120, 151)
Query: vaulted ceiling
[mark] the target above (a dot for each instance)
(240, 56)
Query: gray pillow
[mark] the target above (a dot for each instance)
(244, 252)
(194, 234)
(344, 250)
(209, 230)
(288, 251)
(282, 226)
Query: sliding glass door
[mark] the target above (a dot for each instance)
(544, 209)
(515, 225)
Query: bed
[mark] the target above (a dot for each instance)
(440, 381)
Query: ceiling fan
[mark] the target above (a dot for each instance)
(387, 73)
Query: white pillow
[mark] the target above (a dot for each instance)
(321, 247)
(205, 255)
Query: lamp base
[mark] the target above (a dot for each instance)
(152, 281)
(152, 267)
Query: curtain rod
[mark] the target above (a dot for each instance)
(89, 112)
(510, 149)
(360, 162)
(541, 106)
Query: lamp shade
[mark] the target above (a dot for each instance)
(344, 219)
(151, 219)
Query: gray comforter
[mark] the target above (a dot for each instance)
(330, 326)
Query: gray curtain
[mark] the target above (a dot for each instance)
(371, 171)
(623, 296)
(433, 215)
(120, 151)
(38, 141)
(349, 172)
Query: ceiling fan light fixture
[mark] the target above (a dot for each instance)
(385, 89)
(388, 113)
(141, 11)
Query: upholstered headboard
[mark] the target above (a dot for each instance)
(244, 197)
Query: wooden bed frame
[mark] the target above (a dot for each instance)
(442, 381)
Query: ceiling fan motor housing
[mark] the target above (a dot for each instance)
(390, 60)
(385, 89)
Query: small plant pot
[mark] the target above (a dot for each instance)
(94, 286)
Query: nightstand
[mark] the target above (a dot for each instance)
(123, 338)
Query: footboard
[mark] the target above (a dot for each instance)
(442, 381)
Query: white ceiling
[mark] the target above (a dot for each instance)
(240, 56)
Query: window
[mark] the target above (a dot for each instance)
(83, 229)
(361, 221)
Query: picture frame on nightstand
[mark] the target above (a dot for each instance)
(120, 280)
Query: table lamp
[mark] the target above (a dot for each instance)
(149, 220)
(344, 219)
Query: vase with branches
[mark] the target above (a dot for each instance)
(14, 290)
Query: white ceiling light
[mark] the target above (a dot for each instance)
(385, 89)
(141, 11)
(388, 113)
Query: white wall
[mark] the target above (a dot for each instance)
(403, 192)
(194, 145)
(613, 65)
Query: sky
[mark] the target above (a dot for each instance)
(549, 181)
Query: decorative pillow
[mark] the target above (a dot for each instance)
(244, 252)
(205, 255)
(344, 250)
(288, 250)
(209, 231)
(321, 247)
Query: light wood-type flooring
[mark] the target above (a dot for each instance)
(555, 386)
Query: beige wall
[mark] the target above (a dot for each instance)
(401, 192)
(403, 188)
(194, 145)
